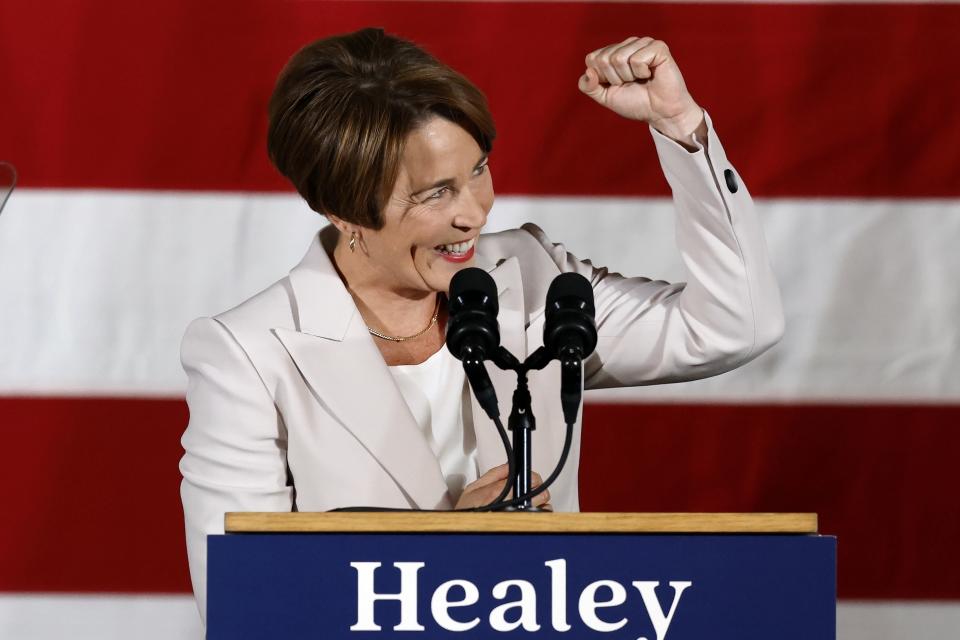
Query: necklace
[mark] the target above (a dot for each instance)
(433, 321)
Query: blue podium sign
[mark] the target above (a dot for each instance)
(553, 585)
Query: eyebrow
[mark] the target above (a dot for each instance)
(448, 182)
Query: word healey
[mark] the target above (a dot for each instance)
(459, 614)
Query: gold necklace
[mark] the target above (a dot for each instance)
(433, 321)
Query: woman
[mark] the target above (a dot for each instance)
(333, 387)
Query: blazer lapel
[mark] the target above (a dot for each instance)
(348, 376)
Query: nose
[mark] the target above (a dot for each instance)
(472, 211)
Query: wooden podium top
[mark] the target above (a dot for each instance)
(452, 522)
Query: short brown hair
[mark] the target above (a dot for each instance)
(342, 109)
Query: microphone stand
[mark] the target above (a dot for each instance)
(522, 421)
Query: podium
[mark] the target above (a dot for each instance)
(652, 576)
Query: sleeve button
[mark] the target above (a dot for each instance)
(731, 179)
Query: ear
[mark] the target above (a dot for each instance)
(345, 228)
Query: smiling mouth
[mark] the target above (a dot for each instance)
(457, 251)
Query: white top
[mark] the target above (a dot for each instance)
(435, 392)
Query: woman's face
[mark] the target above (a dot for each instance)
(440, 201)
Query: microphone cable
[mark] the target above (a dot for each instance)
(567, 442)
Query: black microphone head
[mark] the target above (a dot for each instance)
(473, 281)
(473, 309)
(569, 315)
(571, 285)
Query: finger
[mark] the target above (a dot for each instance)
(489, 493)
(546, 507)
(542, 498)
(493, 480)
(590, 85)
(608, 75)
(599, 61)
(604, 63)
(650, 56)
(499, 470)
(495, 474)
(620, 57)
(640, 70)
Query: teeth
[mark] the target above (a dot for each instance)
(457, 247)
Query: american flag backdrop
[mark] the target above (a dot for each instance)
(146, 199)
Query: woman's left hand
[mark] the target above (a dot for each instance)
(638, 79)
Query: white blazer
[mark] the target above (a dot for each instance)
(292, 406)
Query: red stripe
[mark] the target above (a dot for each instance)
(832, 100)
(92, 495)
(92, 498)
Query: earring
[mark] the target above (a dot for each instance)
(353, 241)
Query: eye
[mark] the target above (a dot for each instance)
(438, 194)
(479, 170)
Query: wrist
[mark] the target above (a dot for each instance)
(682, 127)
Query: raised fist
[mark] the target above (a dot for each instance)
(638, 79)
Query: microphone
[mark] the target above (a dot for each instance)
(473, 334)
(570, 335)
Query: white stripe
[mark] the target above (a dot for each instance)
(96, 287)
(110, 617)
(891, 620)
(99, 617)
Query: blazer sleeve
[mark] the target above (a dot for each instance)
(727, 313)
(235, 443)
